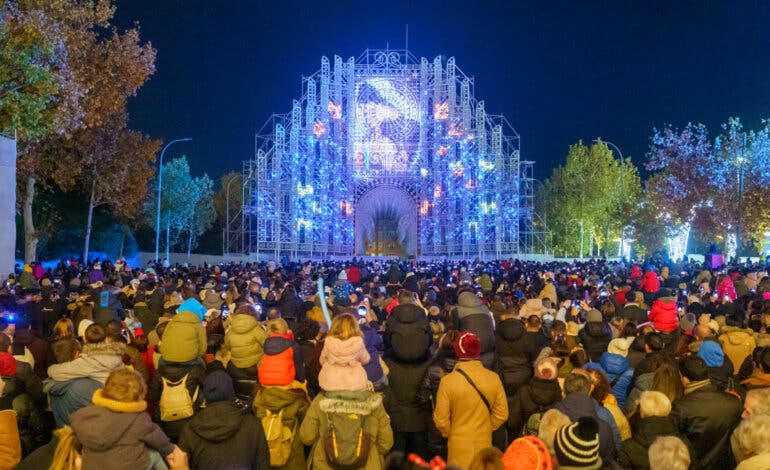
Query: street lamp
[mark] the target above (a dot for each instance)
(160, 187)
(622, 190)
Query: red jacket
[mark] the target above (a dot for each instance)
(636, 272)
(663, 314)
(650, 283)
(726, 287)
(354, 275)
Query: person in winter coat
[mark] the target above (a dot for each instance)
(549, 291)
(650, 285)
(10, 445)
(224, 435)
(291, 402)
(343, 356)
(600, 391)
(470, 403)
(756, 369)
(245, 340)
(632, 311)
(362, 403)
(99, 358)
(577, 403)
(538, 395)
(115, 432)
(184, 339)
(69, 396)
(720, 368)
(291, 307)
(192, 375)
(107, 307)
(282, 361)
(737, 344)
(595, 335)
(726, 288)
(654, 409)
(514, 353)
(39, 348)
(473, 316)
(619, 373)
(409, 332)
(663, 313)
(705, 415)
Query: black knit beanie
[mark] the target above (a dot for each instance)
(577, 445)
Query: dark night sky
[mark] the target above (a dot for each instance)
(560, 71)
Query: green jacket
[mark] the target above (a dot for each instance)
(245, 339)
(294, 403)
(184, 338)
(361, 402)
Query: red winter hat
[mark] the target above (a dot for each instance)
(527, 453)
(467, 346)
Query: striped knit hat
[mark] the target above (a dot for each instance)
(577, 445)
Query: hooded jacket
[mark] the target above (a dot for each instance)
(116, 434)
(726, 287)
(184, 338)
(619, 375)
(634, 453)
(514, 354)
(95, 362)
(650, 283)
(245, 339)
(577, 405)
(720, 367)
(294, 402)
(408, 336)
(475, 317)
(595, 337)
(69, 396)
(282, 362)
(366, 403)
(537, 396)
(737, 344)
(223, 436)
(663, 314)
(342, 364)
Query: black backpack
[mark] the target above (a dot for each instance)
(410, 342)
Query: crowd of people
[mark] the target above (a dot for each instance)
(383, 364)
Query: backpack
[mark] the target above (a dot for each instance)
(345, 441)
(175, 401)
(279, 437)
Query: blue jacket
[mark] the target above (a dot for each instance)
(618, 372)
(69, 396)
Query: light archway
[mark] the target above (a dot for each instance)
(386, 199)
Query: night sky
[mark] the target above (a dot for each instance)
(559, 71)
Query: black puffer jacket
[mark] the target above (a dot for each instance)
(405, 378)
(475, 317)
(514, 354)
(408, 335)
(634, 452)
(537, 396)
(595, 337)
(224, 436)
(707, 417)
(442, 364)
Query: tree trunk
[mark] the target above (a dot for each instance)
(30, 234)
(189, 243)
(89, 222)
(168, 238)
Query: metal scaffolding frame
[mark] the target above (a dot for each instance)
(457, 164)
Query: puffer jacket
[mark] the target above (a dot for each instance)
(475, 317)
(407, 413)
(726, 287)
(577, 405)
(650, 283)
(634, 453)
(514, 354)
(184, 338)
(619, 375)
(294, 402)
(737, 344)
(69, 396)
(537, 396)
(366, 403)
(663, 314)
(342, 364)
(595, 336)
(245, 340)
(282, 362)
(223, 436)
(96, 362)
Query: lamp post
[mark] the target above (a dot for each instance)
(160, 187)
(622, 191)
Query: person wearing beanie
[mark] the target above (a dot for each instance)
(720, 368)
(705, 415)
(527, 453)
(595, 335)
(539, 394)
(470, 403)
(224, 435)
(577, 445)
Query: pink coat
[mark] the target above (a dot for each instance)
(342, 364)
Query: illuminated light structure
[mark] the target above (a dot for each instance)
(387, 134)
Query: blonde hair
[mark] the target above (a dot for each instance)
(125, 385)
(277, 326)
(63, 329)
(652, 403)
(67, 453)
(668, 453)
(753, 435)
(490, 458)
(550, 423)
(345, 326)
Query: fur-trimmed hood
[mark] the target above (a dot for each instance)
(358, 402)
(104, 349)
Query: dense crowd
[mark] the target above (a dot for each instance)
(371, 364)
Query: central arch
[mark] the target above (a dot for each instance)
(386, 204)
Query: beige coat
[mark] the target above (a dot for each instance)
(737, 344)
(461, 415)
(10, 446)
